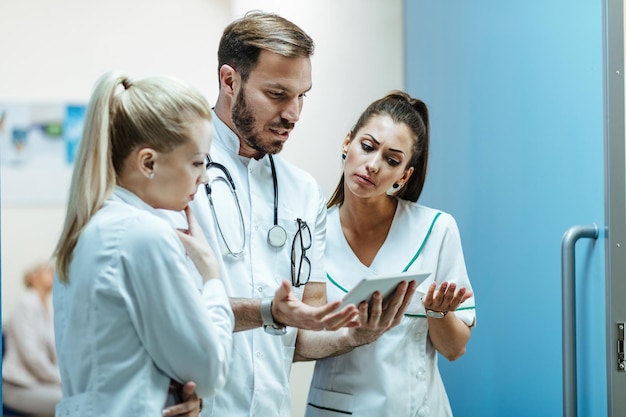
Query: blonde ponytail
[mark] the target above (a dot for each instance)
(93, 178)
(123, 115)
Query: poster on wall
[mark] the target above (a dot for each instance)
(38, 143)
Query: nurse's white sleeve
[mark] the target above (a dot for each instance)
(188, 334)
(452, 268)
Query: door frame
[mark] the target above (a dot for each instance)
(615, 183)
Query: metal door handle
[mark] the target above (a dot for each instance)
(568, 298)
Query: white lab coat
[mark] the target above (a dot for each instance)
(258, 384)
(132, 317)
(397, 375)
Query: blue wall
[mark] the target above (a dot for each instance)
(515, 91)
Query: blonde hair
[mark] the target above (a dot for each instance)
(123, 115)
(35, 270)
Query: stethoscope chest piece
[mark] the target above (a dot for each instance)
(277, 236)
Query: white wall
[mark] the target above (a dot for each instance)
(54, 51)
(359, 57)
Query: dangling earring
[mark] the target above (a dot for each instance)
(151, 176)
(396, 186)
(343, 156)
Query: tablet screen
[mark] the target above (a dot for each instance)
(386, 284)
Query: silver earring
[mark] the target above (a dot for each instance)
(151, 176)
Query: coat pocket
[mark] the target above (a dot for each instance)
(322, 403)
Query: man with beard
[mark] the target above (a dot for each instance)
(264, 217)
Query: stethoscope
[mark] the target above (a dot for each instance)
(276, 235)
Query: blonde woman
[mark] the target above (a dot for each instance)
(132, 314)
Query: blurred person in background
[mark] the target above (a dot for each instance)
(30, 375)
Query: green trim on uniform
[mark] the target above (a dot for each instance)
(424, 315)
(336, 283)
(417, 254)
(319, 407)
(430, 229)
(423, 243)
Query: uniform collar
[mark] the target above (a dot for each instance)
(122, 194)
(225, 138)
(224, 135)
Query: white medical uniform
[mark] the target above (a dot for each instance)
(397, 375)
(132, 316)
(258, 383)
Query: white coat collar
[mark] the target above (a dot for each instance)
(224, 135)
(122, 194)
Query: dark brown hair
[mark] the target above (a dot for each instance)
(402, 108)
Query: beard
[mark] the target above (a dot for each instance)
(246, 124)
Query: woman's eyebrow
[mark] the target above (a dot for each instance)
(378, 143)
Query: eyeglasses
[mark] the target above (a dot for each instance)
(222, 210)
(300, 263)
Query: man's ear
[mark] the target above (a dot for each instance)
(230, 80)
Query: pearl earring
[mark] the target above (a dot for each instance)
(151, 176)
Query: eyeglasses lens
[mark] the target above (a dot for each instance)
(300, 263)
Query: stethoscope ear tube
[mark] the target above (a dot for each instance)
(233, 252)
(277, 235)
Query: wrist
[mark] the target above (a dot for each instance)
(212, 272)
(275, 313)
(267, 318)
(207, 267)
(357, 337)
(436, 314)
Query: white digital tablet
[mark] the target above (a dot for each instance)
(386, 284)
